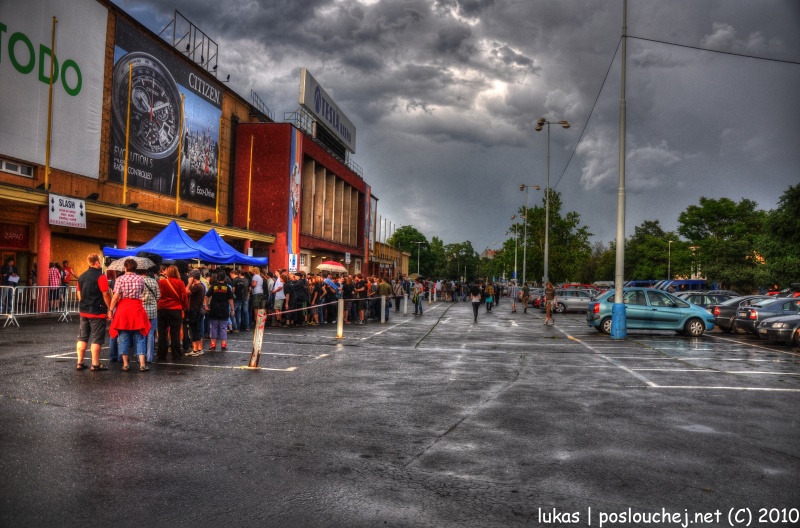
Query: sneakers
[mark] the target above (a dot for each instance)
(224, 348)
(194, 353)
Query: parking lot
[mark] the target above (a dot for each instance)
(422, 421)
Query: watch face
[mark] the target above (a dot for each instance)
(155, 105)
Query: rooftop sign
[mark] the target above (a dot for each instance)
(320, 104)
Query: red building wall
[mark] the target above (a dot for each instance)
(269, 187)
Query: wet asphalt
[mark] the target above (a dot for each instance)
(432, 421)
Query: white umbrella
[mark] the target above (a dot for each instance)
(141, 263)
(333, 266)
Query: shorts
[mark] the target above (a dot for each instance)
(92, 330)
(258, 300)
(279, 304)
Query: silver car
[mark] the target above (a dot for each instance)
(572, 299)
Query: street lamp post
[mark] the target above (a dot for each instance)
(669, 260)
(516, 240)
(524, 187)
(539, 125)
(418, 249)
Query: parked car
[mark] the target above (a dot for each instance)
(748, 318)
(784, 330)
(573, 300)
(725, 313)
(707, 298)
(792, 291)
(650, 309)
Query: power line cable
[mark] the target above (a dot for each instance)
(583, 130)
(717, 51)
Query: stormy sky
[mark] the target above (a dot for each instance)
(445, 95)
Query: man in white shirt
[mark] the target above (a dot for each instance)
(256, 294)
(280, 296)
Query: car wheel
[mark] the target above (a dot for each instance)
(796, 338)
(605, 325)
(694, 327)
(561, 308)
(740, 331)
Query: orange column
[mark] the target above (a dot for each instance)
(43, 254)
(122, 233)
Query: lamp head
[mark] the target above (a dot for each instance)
(522, 187)
(564, 124)
(540, 123)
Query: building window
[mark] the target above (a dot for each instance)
(16, 168)
(303, 259)
(357, 265)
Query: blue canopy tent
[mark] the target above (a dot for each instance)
(171, 244)
(214, 243)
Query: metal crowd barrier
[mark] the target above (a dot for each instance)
(24, 301)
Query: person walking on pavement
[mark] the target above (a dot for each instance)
(513, 292)
(489, 295)
(385, 290)
(94, 299)
(550, 300)
(475, 297)
(526, 295)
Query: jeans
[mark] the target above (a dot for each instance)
(475, 307)
(245, 319)
(151, 340)
(113, 350)
(237, 315)
(125, 338)
(418, 305)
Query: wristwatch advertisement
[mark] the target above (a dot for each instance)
(172, 104)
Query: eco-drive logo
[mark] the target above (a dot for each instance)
(19, 50)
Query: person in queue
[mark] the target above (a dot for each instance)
(172, 303)
(150, 296)
(94, 299)
(219, 306)
(196, 293)
(129, 321)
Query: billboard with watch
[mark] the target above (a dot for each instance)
(166, 94)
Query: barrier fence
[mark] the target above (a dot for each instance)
(25, 301)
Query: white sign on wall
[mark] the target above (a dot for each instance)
(67, 211)
(320, 104)
(25, 61)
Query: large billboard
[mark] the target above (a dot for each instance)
(320, 104)
(159, 80)
(25, 62)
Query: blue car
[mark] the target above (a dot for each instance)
(650, 309)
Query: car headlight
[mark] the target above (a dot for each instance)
(780, 325)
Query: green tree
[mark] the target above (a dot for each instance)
(722, 236)
(406, 238)
(569, 246)
(779, 247)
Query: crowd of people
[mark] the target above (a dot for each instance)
(172, 309)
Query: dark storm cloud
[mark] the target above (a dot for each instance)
(445, 95)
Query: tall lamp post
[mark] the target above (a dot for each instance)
(524, 187)
(516, 241)
(418, 249)
(539, 126)
(669, 260)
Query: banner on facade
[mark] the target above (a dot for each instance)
(25, 62)
(161, 85)
(295, 187)
(320, 104)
